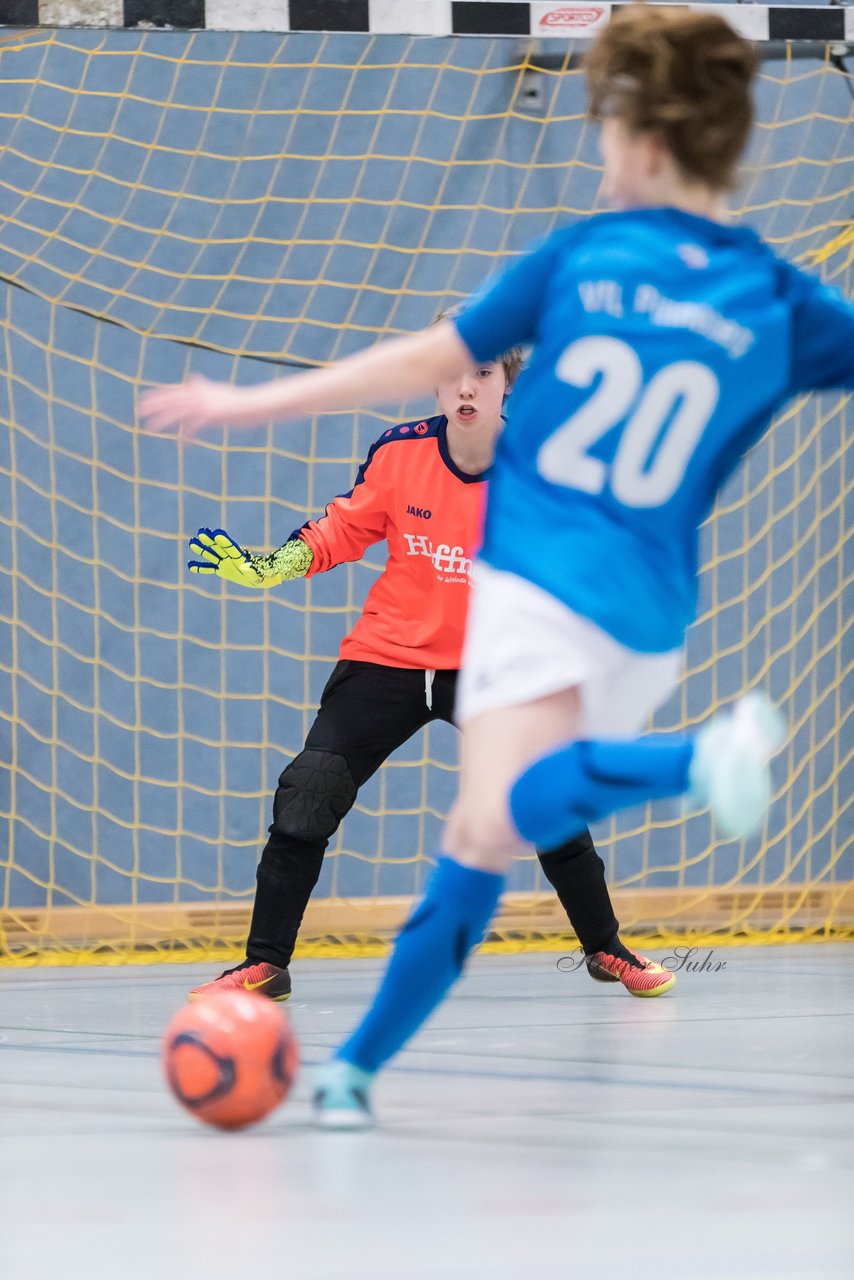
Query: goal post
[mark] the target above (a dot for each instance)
(272, 187)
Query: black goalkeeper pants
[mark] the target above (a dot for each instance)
(366, 712)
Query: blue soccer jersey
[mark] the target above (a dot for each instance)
(662, 345)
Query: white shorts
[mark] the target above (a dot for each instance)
(522, 644)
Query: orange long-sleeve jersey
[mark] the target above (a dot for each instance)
(410, 492)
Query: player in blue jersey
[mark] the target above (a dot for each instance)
(664, 339)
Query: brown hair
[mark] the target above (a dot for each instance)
(511, 361)
(686, 75)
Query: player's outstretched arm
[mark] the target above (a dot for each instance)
(219, 554)
(398, 369)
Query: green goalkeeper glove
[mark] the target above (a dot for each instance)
(227, 559)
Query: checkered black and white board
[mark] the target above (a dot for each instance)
(541, 19)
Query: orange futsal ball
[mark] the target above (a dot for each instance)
(230, 1058)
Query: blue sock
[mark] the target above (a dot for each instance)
(428, 957)
(565, 791)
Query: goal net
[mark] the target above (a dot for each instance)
(237, 203)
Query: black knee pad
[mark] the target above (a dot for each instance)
(313, 795)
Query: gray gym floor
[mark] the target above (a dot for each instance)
(542, 1126)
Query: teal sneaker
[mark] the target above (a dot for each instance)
(342, 1096)
(729, 770)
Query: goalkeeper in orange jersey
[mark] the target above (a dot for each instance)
(422, 489)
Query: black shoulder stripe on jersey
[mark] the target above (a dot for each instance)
(419, 429)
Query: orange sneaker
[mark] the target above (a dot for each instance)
(646, 978)
(266, 979)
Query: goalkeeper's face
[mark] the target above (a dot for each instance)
(472, 401)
